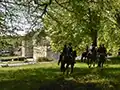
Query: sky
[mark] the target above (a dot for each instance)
(23, 21)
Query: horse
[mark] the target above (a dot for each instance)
(91, 57)
(102, 58)
(102, 55)
(67, 60)
(71, 62)
(84, 56)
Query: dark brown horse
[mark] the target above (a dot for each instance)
(84, 56)
(90, 56)
(66, 61)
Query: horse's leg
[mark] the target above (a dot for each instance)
(63, 67)
(99, 60)
(82, 58)
(85, 59)
(94, 62)
(72, 67)
(101, 65)
(102, 62)
(89, 62)
(67, 68)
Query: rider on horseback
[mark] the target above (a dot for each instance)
(102, 53)
(63, 53)
(66, 56)
(91, 56)
(85, 54)
(69, 48)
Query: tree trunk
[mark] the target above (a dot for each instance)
(94, 37)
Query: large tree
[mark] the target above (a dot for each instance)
(82, 22)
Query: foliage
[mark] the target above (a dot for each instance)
(10, 42)
(83, 22)
(22, 15)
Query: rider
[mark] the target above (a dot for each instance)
(102, 52)
(70, 50)
(84, 54)
(65, 49)
(61, 56)
(62, 53)
(102, 49)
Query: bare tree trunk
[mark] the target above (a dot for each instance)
(94, 37)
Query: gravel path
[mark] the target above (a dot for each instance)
(16, 64)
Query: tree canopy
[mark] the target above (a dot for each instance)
(83, 22)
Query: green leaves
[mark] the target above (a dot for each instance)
(82, 24)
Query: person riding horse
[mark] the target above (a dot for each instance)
(92, 55)
(67, 57)
(102, 54)
(63, 53)
(84, 55)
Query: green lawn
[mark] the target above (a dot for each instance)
(48, 77)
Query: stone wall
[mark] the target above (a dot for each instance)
(27, 49)
(43, 51)
(39, 51)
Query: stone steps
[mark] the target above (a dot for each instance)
(17, 64)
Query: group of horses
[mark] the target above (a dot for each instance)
(92, 58)
(89, 57)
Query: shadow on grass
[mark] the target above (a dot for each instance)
(110, 60)
(113, 60)
(52, 79)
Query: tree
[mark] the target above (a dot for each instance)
(82, 22)
(22, 15)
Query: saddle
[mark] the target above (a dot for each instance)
(68, 58)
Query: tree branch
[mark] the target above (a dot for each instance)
(63, 6)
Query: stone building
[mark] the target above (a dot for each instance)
(27, 48)
(32, 50)
(43, 49)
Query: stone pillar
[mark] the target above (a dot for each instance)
(23, 48)
(27, 48)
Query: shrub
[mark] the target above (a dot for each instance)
(42, 59)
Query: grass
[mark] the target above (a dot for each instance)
(47, 76)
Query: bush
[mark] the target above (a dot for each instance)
(44, 59)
